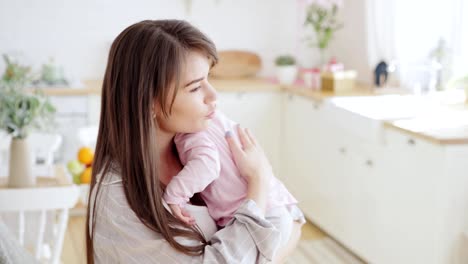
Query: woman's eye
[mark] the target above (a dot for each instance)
(195, 89)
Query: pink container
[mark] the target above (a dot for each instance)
(312, 78)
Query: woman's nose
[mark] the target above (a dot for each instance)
(211, 94)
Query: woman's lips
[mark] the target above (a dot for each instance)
(211, 115)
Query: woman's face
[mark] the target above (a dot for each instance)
(195, 102)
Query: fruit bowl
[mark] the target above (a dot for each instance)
(80, 171)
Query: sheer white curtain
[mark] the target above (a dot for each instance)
(381, 35)
(460, 37)
(409, 30)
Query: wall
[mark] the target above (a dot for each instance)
(78, 34)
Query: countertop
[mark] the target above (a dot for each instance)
(93, 87)
(449, 127)
(425, 128)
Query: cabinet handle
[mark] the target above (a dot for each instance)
(290, 96)
(316, 106)
(342, 150)
(369, 163)
(240, 95)
(411, 142)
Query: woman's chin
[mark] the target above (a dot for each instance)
(201, 127)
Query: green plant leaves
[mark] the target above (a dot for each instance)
(21, 111)
(324, 23)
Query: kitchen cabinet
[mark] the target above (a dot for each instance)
(332, 173)
(314, 158)
(361, 198)
(390, 198)
(299, 152)
(414, 200)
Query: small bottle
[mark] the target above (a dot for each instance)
(312, 78)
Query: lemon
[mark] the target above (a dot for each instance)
(86, 155)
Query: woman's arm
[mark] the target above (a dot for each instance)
(120, 237)
(247, 238)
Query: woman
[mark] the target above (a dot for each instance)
(156, 85)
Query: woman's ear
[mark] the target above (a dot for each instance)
(154, 109)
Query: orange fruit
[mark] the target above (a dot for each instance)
(85, 155)
(85, 177)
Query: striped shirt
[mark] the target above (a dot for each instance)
(120, 237)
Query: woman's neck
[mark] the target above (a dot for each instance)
(169, 160)
(164, 142)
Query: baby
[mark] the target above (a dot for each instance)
(209, 168)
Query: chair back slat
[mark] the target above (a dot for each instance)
(58, 243)
(21, 227)
(40, 235)
(45, 201)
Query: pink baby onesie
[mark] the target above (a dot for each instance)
(209, 168)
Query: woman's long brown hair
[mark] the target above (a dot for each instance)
(144, 66)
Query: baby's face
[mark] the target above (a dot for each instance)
(195, 102)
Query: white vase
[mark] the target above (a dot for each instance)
(20, 167)
(286, 74)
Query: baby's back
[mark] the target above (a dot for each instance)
(224, 195)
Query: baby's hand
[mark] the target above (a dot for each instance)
(182, 214)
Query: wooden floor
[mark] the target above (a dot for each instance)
(74, 243)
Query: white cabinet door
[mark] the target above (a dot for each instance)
(331, 169)
(261, 113)
(410, 221)
(299, 151)
(361, 199)
(314, 163)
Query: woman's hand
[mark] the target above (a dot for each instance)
(252, 164)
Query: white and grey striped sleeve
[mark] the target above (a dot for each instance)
(120, 237)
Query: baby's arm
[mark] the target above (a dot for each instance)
(201, 166)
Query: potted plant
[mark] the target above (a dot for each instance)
(20, 112)
(286, 69)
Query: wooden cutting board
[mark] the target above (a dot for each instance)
(234, 64)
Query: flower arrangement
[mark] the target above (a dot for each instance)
(322, 17)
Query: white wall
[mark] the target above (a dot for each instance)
(350, 43)
(78, 34)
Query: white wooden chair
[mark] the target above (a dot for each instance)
(41, 200)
